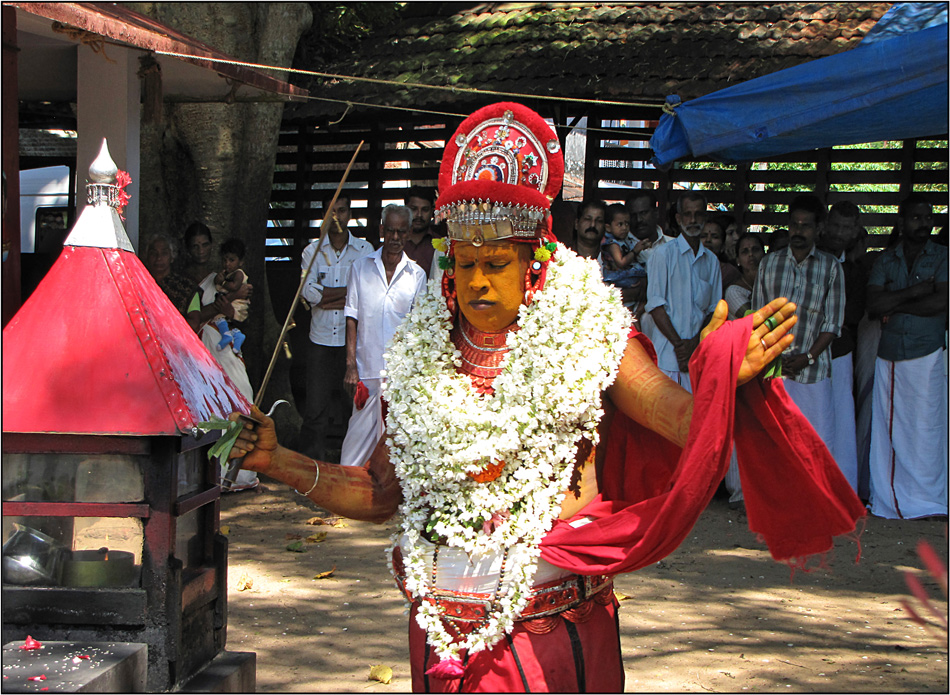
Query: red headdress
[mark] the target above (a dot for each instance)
(499, 174)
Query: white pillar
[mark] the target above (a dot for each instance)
(108, 106)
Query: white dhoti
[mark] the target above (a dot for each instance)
(365, 428)
(909, 438)
(817, 405)
(733, 483)
(865, 355)
(844, 444)
(232, 365)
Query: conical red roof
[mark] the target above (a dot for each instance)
(98, 348)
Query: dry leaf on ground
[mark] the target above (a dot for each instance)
(324, 575)
(383, 674)
(334, 521)
(295, 547)
(245, 582)
(293, 536)
(225, 530)
(621, 596)
(317, 537)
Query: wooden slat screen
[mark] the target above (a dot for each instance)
(404, 150)
(311, 161)
(875, 177)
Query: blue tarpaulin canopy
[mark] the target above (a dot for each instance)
(891, 88)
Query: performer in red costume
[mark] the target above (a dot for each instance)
(534, 450)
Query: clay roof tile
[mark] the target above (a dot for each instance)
(585, 49)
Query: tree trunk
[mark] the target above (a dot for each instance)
(214, 162)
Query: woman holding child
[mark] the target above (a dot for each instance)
(620, 252)
(222, 295)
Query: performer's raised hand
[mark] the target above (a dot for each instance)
(770, 334)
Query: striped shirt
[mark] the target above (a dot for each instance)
(816, 285)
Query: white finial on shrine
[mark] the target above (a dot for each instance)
(103, 169)
(99, 225)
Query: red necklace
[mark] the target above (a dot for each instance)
(482, 353)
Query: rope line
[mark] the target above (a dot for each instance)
(417, 85)
(462, 116)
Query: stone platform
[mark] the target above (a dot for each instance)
(75, 667)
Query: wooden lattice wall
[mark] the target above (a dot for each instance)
(404, 149)
(311, 161)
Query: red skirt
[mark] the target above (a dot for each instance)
(581, 654)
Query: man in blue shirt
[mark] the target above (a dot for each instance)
(685, 284)
(908, 288)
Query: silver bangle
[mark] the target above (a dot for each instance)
(315, 481)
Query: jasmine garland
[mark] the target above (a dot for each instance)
(547, 398)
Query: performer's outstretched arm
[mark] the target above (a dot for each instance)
(646, 395)
(369, 492)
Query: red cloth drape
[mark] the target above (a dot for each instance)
(653, 492)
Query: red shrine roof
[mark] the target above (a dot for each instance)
(98, 348)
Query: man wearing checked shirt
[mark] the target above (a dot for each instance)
(814, 281)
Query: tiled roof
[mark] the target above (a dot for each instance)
(47, 143)
(638, 52)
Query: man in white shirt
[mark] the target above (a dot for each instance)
(381, 290)
(325, 290)
(685, 283)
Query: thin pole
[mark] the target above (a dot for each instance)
(303, 278)
(234, 465)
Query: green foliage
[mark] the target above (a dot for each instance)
(338, 27)
(797, 183)
(936, 165)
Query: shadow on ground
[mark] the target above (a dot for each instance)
(717, 615)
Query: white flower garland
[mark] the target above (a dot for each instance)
(547, 397)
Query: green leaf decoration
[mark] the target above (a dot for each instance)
(774, 370)
(213, 424)
(223, 446)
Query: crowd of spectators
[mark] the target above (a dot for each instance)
(870, 348)
(868, 358)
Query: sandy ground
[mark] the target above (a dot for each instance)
(717, 615)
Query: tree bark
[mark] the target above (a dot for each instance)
(214, 162)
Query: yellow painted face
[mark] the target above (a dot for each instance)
(489, 282)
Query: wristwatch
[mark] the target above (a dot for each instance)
(811, 360)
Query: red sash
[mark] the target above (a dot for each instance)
(653, 492)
